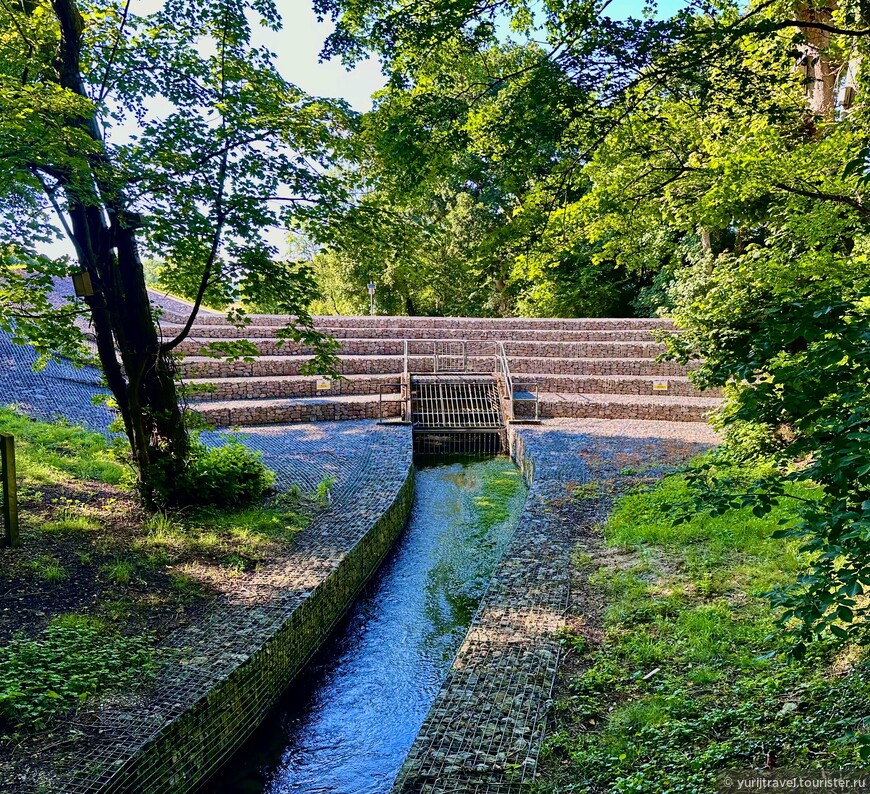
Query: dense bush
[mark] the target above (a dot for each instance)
(229, 475)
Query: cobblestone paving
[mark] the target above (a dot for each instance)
(486, 725)
(305, 454)
(58, 391)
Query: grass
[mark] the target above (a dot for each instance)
(69, 519)
(55, 452)
(57, 455)
(119, 571)
(690, 678)
(88, 542)
(323, 491)
(236, 539)
(49, 570)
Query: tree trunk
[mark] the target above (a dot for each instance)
(138, 372)
(820, 70)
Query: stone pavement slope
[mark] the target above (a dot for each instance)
(368, 465)
(371, 465)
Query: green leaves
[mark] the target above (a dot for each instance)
(803, 370)
(73, 659)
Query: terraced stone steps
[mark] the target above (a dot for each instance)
(623, 406)
(193, 346)
(278, 386)
(284, 386)
(206, 367)
(672, 385)
(229, 413)
(420, 336)
(461, 323)
(599, 367)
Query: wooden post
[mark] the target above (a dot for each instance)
(10, 491)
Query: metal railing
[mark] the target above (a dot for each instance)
(404, 400)
(504, 370)
(451, 357)
(535, 399)
(444, 355)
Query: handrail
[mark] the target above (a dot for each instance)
(406, 384)
(504, 366)
(536, 399)
(430, 348)
(402, 398)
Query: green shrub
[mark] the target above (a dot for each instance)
(74, 658)
(228, 475)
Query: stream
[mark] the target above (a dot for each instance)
(350, 718)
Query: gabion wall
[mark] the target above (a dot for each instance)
(193, 746)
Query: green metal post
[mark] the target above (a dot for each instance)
(10, 491)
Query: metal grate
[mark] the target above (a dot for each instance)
(455, 404)
(482, 443)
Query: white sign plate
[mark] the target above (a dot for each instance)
(323, 384)
(660, 385)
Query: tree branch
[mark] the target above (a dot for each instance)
(220, 217)
(101, 94)
(837, 198)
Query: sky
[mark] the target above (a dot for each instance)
(298, 45)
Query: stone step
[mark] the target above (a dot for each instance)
(278, 386)
(229, 413)
(207, 367)
(345, 407)
(281, 386)
(416, 335)
(170, 315)
(677, 385)
(493, 323)
(394, 347)
(622, 406)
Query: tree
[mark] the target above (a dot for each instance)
(729, 145)
(459, 188)
(168, 135)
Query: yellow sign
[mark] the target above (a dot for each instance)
(660, 385)
(323, 384)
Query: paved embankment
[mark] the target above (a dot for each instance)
(221, 675)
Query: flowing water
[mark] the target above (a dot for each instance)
(349, 720)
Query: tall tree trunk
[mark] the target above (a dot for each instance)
(138, 372)
(821, 71)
